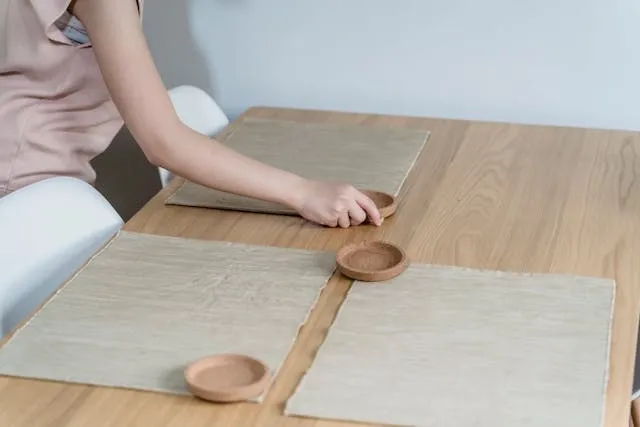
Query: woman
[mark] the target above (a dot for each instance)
(73, 71)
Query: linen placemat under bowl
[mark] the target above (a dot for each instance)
(367, 157)
(146, 306)
(444, 346)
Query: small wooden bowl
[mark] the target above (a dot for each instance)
(385, 203)
(227, 378)
(371, 261)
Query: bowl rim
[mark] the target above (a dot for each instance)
(353, 247)
(387, 209)
(256, 387)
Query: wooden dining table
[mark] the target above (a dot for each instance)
(486, 195)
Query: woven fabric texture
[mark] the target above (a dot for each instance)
(368, 157)
(146, 306)
(443, 346)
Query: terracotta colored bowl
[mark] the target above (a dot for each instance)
(371, 261)
(227, 378)
(385, 203)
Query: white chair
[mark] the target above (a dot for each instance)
(47, 231)
(197, 110)
(51, 228)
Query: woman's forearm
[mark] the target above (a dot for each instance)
(210, 163)
(140, 96)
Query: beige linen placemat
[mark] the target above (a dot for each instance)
(442, 346)
(146, 306)
(367, 157)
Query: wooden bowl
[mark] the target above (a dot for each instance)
(227, 378)
(371, 261)
(385, 203)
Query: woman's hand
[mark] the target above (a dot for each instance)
(334, 205)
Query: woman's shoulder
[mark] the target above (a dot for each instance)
(74, 30)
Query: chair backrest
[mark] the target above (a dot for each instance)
(197, 110)
(48, 230)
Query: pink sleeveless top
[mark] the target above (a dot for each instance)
(56, 113)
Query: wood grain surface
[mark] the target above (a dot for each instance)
(484, 195)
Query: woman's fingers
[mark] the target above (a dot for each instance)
(357, 214)
(356, 210)
(343, 219)
(370, 208)
(341, 206)
(331, 222)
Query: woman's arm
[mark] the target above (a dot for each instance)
(141, 98)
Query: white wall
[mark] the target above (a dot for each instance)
(566, 62)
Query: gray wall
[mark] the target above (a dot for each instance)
(567, 62)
